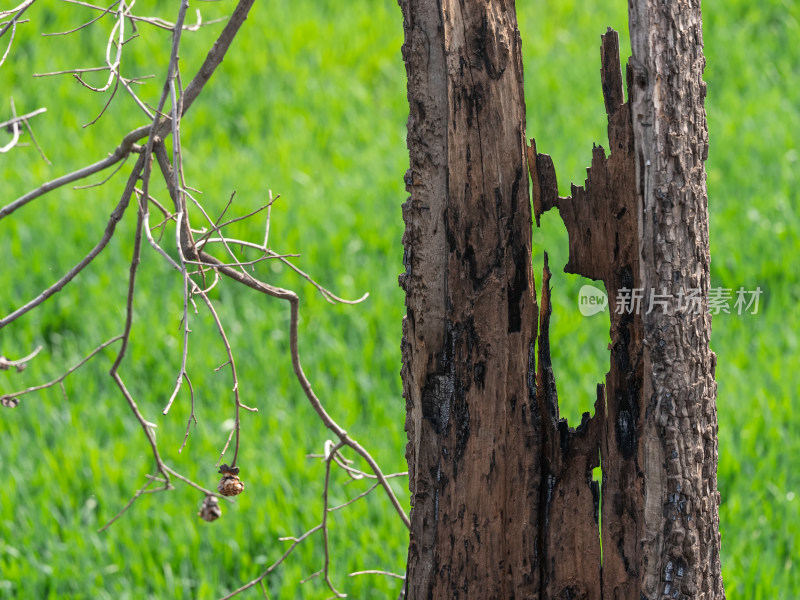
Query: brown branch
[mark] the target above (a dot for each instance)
(294, 303)
(22, 118)
(106, 180)
(116, 215)
(295, 542)
(212, 61)
(79, 27)
(71, 71)
(21, 363)
(12, 398)
(325, 511)
(127, 146)
(139, 492)
(191, 415)
(35, 142)
(323, 526)
(235, 377)
(19, 10)
(216, 53)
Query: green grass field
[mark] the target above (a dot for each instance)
(311, 103)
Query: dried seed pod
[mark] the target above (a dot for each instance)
(224, 468)
(210, 509)
(230, 484)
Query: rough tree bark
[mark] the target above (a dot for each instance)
(469, 335)
(678, 455)
(504, 505)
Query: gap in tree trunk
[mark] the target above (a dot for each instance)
(579, 340)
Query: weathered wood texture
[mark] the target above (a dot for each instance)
(636, 230)
(570, 498)
(469, 375)
(601, 221)
(680, 546)
(503, 501)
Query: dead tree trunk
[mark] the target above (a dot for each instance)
(469, 354)
(678, 455)
(504, 505)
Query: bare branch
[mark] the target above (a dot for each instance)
(232, 363)
(35, 142)
(116, 216)
(71, 72)
(127, 146)
(14, 129)
(191, 415)
(23, 118)
(139, 492)
(20, 364)
(10, 41)
(325, 511)
(106, 180)
(323, 526)
(12, 398)
(190, 252)
(363, 494)
(377, 572)
(294, 303)
(216, 53)
(19, 10)
(79, 27)
(21, 7)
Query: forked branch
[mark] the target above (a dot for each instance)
(199, 269)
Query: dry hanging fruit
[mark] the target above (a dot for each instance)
(210, 510)
(230, 484)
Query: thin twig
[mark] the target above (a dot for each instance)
(127, 146)
(191, 415)
(71, 72)
(79, 27)
(10, 41)
(116, 216)
(139, 492)
(355, 499)
(113, 67)
(14, 130)
(19, 10)
(325, 511)
(269, 218)
(35, 142)
(14, 395)
(377, 572)
(21, 363)
(24, 117)
(234, 376)
(104, 181)
(326, 293)
(295, 542)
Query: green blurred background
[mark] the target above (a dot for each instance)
(310, 103)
